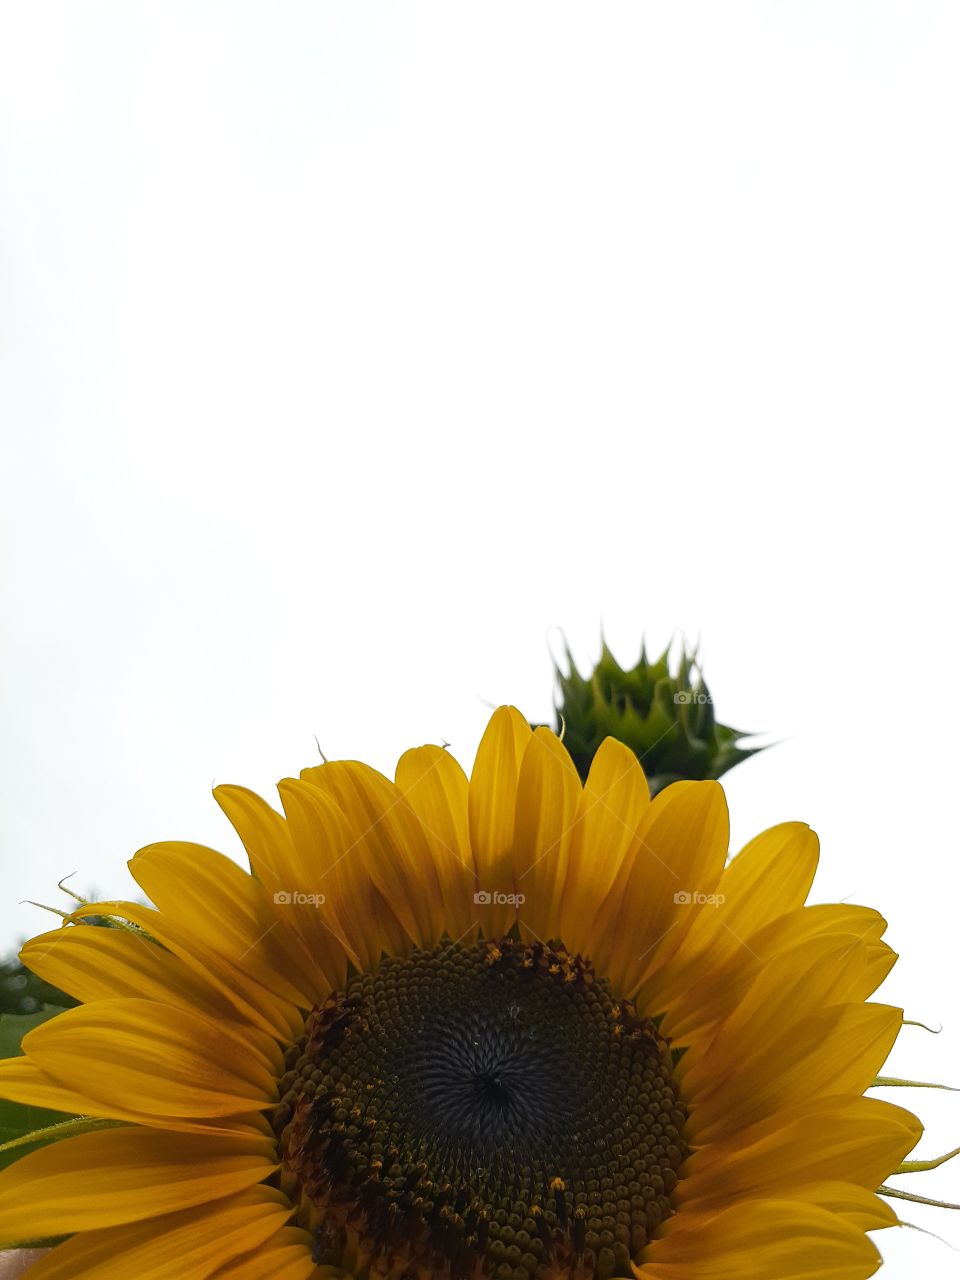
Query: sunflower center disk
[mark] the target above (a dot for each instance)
(487, 1109)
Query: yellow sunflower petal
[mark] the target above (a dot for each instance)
(848, 1139)
(771, 874)
(677, 855)
(264, 834)
(793, 927)
(159, 1060)
(859, 1206)
(24, 1081)
(493, 797)
(285, 1256)
(833, 1051)
(548, 796)
(98, 964)
(769, 877)
(190, 1244)
(139, 1173)
(437, 790)
(790, 985)
(363, 918)
(761, 1240)
(388, 842)
(252, 1001)
(229, 912)
(283, 868)
(696, 999)
(611, 807)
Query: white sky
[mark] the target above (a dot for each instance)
(348, 349)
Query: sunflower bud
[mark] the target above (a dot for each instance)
(666, 717)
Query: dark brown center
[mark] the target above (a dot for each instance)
(487, 1109)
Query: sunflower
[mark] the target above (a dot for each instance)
(513, 1026)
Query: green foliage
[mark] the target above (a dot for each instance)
(22, 992)
(665, 716)
(16, 1119)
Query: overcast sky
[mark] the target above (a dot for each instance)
(349, 352)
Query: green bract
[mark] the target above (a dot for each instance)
(666, 717)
